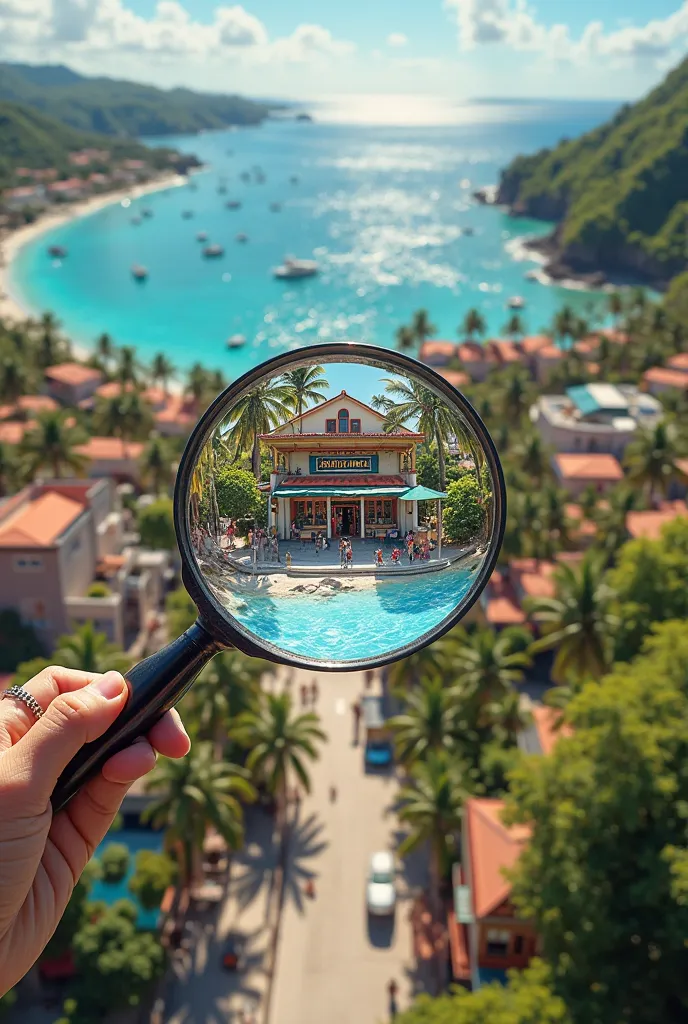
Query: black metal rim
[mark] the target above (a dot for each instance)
(213, 615)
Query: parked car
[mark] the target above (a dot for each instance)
(381, 896)
(233, 953)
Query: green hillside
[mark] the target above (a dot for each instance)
(620, 192)
(122, 108)
(30, 139)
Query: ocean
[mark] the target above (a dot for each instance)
(385, 208)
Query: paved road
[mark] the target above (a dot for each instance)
(332, 963)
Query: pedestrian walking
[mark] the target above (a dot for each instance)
(304, 695)
(349, 557)
(333, 794)
(314, 692)
(356, 712)
(342, 553)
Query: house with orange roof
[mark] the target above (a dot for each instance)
(576, 472)
(595, 417)
(176, 417)
(678, 362)
(499, 602)
(457, 379)
(12, 431)
(649, 524)
(67, 191)
(70, 383)
(438, 353)
(660, 379)
(114, 458)
(477, 359)
(22, 196)
(546, 359)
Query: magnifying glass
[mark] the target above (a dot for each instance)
(336, 508)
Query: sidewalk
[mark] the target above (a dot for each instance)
(200, 990)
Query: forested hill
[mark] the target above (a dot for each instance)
(619, 193)
(122, 108)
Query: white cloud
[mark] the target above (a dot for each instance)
(239, 28)
(307, 42)
(397, 39)
(515, 24)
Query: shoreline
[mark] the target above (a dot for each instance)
(12, 307)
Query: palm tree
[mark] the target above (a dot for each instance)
(488, 664)
(553, 514)
(302, 385)
(381, 402)
(196, 792)
(615, 305)
(514, 327)
(13, 379)
(611, 518)
(577, 622)
(515, 395)
(651, 460)
(427, 723)
(406, 339)
(51, 348)
(126, 416)
(506, 717)
(51, 445)
(565, 323)
(225, 689)
(257, 412)
(8, 470)
(156, 465)
(429, 662)
(89, 651)
(105, 348)
(161, 370)
(473, 323)
(279, 743)
(421, 327)
(127, 368)
(431, 806)
(533, 457)
(434, 417)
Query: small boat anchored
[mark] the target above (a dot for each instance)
(516, 302)
(213, 251)
(293, 268)
(233, 204)
(57, 251)
(139, 272)
(202, 236)
(187, 214)
(146, 212)
(241, 237)
(236, 341)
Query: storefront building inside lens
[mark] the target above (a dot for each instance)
(338, 473)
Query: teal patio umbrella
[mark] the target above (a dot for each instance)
(420, 493)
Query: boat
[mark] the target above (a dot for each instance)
(236, 341)
(138, 272)
(241, 237)
(275, 207)
(294, 268)
(202, 236)
(187, 214)
(532, 275)
(233, 204)
(57, 251)
(146, 212)
(516, 302)
(213, 250)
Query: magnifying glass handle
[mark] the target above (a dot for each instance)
(155, 686)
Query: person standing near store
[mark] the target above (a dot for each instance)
(342, 553)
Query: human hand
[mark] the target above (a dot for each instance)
(42, 856)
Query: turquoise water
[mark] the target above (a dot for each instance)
(370, 623)
(383, 210)
(134, 840)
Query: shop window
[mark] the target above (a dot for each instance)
(355, 426)
(343, 421)
(497, 942)
(331, 426)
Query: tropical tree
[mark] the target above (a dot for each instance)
(427, 722)
(578, 622)
(13, 379)
(473, 323)
(89, 651)
(429, 662)
(506, 716)
(303, 386)
(421, 326)
(651, 460)
(533, 457)
(50, 347)
(225, 689)
(155, 523)
(487, 664)
(8, 469)
(257, 412)
(405, 338)
(431, 803)
(197, 384)
(279, 744)
(615, 305)
(127, 367)
(514, 327)
(194, 793)
(156, 465)
(51, 445)
(565, 323)
(105, 348)
(515, 395)
(610, 520)
(161, 370)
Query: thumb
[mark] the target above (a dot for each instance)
(70, 720)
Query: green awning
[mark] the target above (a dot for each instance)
(338, 492)
(422, 494)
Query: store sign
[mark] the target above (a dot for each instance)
(343, 464)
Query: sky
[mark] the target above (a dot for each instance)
(314, 49)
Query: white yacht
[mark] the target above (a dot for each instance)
(236, 341)
(516, 302)
(294, 268)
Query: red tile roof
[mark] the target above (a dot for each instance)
(549, 352)
(679, 362)
(455, 378)
(13, 432)
(344, 481)
(73, 373)
(437, 353)
(534, 343)
(501, 603)
(535, 578)
(649, 524)
(668, 378)
(493, 847)
(37, 403)
(39, 523)
(546, 722)
(473, 352)
(588, 467)
(106, 449)
(113, 389)
(177, 410)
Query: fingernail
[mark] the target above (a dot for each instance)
(109, 686)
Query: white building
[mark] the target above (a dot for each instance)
(594, 417)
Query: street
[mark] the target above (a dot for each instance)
(332, 963)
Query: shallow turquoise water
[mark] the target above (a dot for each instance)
(134, 840)
(383, 210)
(347, 626)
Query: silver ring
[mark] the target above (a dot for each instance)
(19, 693)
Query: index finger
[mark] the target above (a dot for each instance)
(16, 719)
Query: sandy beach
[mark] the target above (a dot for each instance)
(10, 306)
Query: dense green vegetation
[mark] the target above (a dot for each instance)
(119, 108)
(619, 191)
(29, 138)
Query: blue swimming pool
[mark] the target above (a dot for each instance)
(134, 840)
(349, 625)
